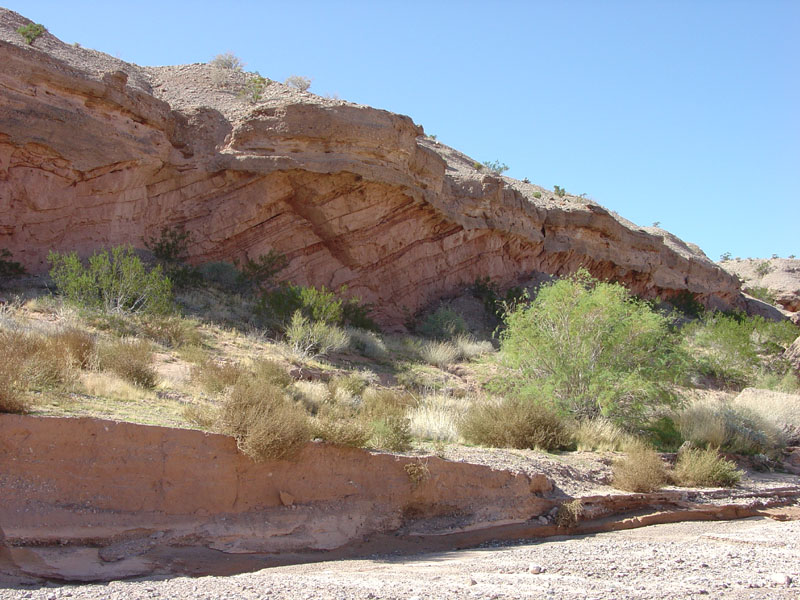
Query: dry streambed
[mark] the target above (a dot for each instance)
(87, 500)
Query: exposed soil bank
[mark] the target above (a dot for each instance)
(87, 499)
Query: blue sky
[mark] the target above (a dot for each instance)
(683, 112)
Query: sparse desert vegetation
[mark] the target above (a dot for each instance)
(577, 364)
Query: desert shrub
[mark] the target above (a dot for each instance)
(8, 267)
(705, 468)
(559, 191)
(593, 350)
(12, 395)
(495, 166)
(39, 361)
(272, 372)
(642, 470)
(114, 281)
(347, 387)
(664, 433)
(227, 60)
(385, 410)
(391, 433)
(171, 331)
(514, 423)
(763, 268)
(719, 424)
(314, 338)
(203, 416)
(298, 82)
(569, 513)
(78, 344)
(762, 293)
(214, 377)
(341, 425)
(436, 418)
(443, 324)
(131, 359)
(770, 405)
(171, 250)
(417, 472)
(264, 421)
(602, 434)
(31, 32)
(438, 354)
(356, 314)
(687, 303)
(223, 275)
(495, 302)
(259, 273)
(469, 348)
(254, 88)
(366, 343)
(735, 350)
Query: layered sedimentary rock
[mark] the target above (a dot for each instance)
(97, 152)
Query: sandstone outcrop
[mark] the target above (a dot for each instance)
(95, 151)
(780, 276)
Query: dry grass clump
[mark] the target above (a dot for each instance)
(706, 468)
(79, 344)
(436, 417)
(438, 354)
(367, 343)
(214, 377)
(171, 331)
(313, 394)
(12, 396)
(642, 470)
(43, 361)
(341, 425)
(734, 428)
(603, 435)
(201, 415)
(469, 348)
(264, 421)
(347, 388)
(385, 409)
(131, 359)
(314, 338)
(778, 407)
(111, 385)
(513, 423)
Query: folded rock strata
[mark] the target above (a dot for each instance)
(96, 152)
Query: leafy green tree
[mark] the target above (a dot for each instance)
(591, 349)
(114, 282)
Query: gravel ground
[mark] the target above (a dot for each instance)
(751, 558)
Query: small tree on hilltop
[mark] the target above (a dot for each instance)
(31, 31)
(298, 82)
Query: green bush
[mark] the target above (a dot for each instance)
(223, 275)
(705, 468)
(735, 350)
(254, 89)
(762, 293)
(31, 31)
(114, 281)
(259, 273)
(495, 302)
(319, 305)
(8, 267)
(560, 192)
(443, 324)
(313, 338)
(592, 349)
(514, 423)
(495, 166)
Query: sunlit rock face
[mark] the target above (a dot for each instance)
(97, 152)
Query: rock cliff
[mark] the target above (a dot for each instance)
(95, 151)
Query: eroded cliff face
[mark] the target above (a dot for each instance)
(97, 152)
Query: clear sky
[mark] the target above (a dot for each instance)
(682, 112)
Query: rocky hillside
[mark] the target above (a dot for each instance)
(778, 277)
(95, 151)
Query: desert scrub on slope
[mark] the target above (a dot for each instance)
(386, 410)
(604, 435)
(735, 350)
(706, 468)
(114, 281)
(515, 423)
(31, 32)
(227, 60)
(593, 349)
(315, 338)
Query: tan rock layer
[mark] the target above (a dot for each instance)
(352, 195)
